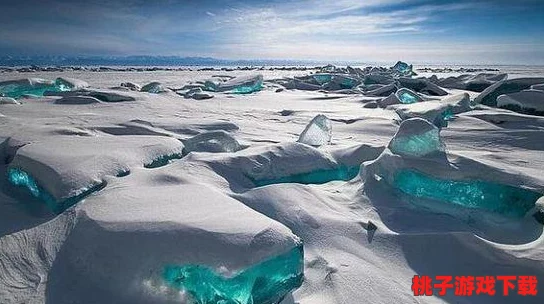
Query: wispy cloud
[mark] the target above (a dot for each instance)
(303, 29)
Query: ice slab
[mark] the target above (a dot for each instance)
(416, 137)
(265, 282)
(489, 96)
(476, 83)
(422, 86)
(8, 100)
(503, 199)
(35, 86)
(436, 112)
(539, 87)
(526, 102)
(237, 85)
(318, 132)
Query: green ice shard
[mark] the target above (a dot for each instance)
(21, 178)
(503, 199)
(265, 283)
(342, 173)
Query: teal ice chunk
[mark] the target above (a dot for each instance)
(21, 178)
(347, 82)
(342, 173)
(264, 283)
(403, 68)
(407, 96)
(34, 86)
(322, 78)
(503, 199)
(417, 144)
(238, 85)
(441, 120)
(249, 88)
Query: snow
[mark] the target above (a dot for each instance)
(156, 186)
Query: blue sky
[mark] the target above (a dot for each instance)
(484, 31)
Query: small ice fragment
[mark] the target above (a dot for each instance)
(70, 84)
(416, 137)
(8, 100)
(153, 87)
(318, 132)
(403, 68)
(198, 94)
(213, 141)
(131, 86)
(407, 96)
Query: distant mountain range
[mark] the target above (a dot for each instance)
(140, 61)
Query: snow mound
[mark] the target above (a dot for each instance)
(109, 96)
(318, 132)
(62, 170)
(77, 100)
(150, 235)
(416, 165)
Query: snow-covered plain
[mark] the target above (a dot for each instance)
(159, 180)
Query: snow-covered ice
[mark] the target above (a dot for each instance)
(333, 185)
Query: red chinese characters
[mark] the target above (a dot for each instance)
(475, 285)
